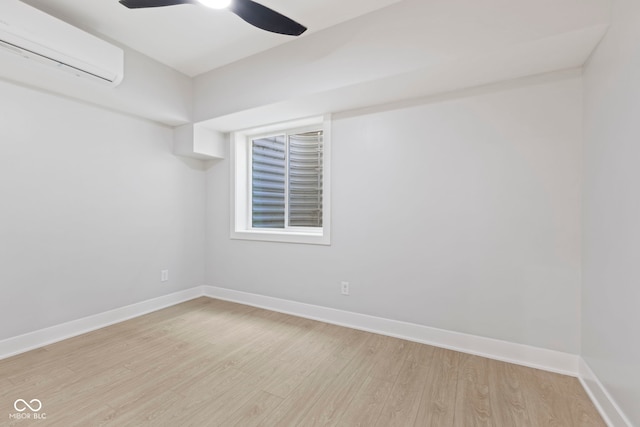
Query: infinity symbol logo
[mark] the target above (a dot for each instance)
(26, 405)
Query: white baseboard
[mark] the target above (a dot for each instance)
(610, 411)
(32, 340)
(520, 354)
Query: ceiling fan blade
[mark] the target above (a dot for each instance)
(264, 18)
(137, 4)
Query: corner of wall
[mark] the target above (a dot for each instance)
(609, 410)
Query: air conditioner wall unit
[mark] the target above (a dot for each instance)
(35, 35)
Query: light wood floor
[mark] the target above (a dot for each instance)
(213, 363)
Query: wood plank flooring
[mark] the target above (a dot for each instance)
(213, 363)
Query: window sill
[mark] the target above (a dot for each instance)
(309, 238)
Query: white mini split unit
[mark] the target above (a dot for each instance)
(34, 35)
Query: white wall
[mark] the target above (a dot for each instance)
(611, 275)
(93, 205)
(461, 214)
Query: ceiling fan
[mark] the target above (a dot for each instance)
(254, 13)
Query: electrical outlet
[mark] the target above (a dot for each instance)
(344, 288)
(164, 275)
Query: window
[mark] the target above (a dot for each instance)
(286, 180)
(280, 186)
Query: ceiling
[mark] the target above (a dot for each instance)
(194, 39)
(356, 54)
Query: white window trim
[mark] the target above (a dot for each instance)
(241, 197)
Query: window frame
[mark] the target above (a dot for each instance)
(241, 197)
